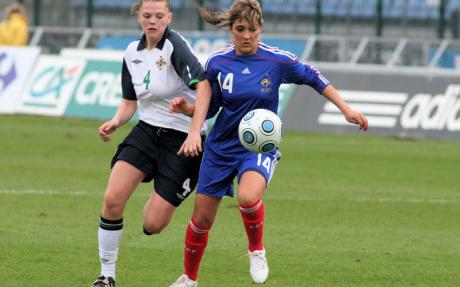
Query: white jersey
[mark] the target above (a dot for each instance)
(154, 77)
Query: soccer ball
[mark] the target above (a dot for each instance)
(260, 131)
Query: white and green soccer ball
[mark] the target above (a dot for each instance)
(260, 131)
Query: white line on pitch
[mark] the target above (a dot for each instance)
(46, 192)
(365, 200)
(269, 197)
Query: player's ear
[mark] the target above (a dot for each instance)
(259, 27)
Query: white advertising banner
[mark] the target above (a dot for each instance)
(402, 102)
(51, 86)
(16, 64)
(457, 62)
(93, 54)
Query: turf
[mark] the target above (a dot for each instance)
(341, 210)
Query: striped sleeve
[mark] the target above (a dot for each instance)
(185, 61)
(296, 72)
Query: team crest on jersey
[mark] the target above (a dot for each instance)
(266, 84)
(161, 63)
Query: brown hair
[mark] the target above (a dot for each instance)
(15, 8)
(249, 10)
(136, 7)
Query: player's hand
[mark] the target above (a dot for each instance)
(108, 128)
(358, 119)
(180, 105)
(191, 146)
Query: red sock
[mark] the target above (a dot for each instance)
(196, 240)
(253, 219)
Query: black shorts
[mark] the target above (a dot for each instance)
(154, 150)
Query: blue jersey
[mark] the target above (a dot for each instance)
(241, 83)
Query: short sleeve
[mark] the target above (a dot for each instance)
(185, 63)
(127, 86)
(296, 72)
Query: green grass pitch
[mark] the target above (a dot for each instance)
(341, 210)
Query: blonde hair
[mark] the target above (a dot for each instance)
(249, 10)
(137, 7)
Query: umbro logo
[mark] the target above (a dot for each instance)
(137, 61)
(246, 71)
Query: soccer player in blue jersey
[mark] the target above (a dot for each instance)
(156, 68)
(244, 76)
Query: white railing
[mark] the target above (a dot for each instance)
(352, 50)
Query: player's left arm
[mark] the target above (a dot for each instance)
(192, 145)
(350, 115)
(188, 67)
(186, 63)
(299, 73)
(181, 106)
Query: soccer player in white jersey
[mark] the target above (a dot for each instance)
(156, 68)
(244, 76)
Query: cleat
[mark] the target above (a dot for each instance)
(184, 281)
(258, 266)
(101, 281)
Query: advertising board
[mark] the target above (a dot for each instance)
(422, 103)
(16, 64)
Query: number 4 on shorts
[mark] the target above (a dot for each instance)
(186, 187)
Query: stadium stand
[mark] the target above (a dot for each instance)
(410, 30)
(414, 9)
(119, 4)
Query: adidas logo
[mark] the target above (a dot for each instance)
(137, 61)
(246, 71)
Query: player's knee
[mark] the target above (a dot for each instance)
(248, 199)
(151, 228)
(110, 199)
(203, 220)
(147, 231)
(113, 202)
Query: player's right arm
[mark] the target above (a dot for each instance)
(124, 113)
(127, 108)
